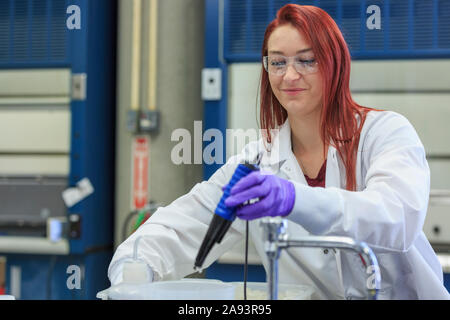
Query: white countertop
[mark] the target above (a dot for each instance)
(33, 245)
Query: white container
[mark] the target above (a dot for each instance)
(174, 290)
(125, 291)
(191, 290)
(258, 291)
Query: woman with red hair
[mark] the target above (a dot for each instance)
(337, 169)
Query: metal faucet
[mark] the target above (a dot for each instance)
(276, 238)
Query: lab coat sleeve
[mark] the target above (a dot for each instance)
(172, 236)
(388, 214)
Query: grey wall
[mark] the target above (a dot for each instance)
(179, 64)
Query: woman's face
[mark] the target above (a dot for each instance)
(300, 94)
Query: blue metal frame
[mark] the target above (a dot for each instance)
(89, 50)
(385, 52)
(447, 281)
(100, 125)
(215, 112)
(93, 120)
(79, 64)
(235, 272)
(44, 277)
(30, 62)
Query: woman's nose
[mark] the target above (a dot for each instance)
(291, 73)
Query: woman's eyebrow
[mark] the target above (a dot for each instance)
(281, 52)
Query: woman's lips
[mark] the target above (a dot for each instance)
(292, 92)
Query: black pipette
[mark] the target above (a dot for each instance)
(223, 217)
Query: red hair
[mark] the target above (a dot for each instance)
(340, 126)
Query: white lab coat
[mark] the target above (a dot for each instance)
(387, 212)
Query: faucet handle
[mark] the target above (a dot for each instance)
(274, 228)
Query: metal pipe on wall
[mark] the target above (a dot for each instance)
(136, 54)
(153, 51)
(149, 82)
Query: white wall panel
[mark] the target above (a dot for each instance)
(243, 106)
(35, 82)
(243, 113)
(419, 90)
(437, 222)
(35, 121)
(34, 165)
(35, 130)
(400, 75)
(428, 113)
(440, 173)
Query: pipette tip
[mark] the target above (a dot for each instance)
(198, 269)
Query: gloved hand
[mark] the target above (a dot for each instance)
(276, 196)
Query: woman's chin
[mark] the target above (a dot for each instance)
(296, 108)
(299, 109)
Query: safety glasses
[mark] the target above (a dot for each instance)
(277, 64)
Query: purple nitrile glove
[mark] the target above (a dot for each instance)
(276, 196)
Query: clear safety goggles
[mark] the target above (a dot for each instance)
(278, 64)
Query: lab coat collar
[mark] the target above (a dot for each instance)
(293, 171)
(279, 150)
(333, 174)
(280, 154)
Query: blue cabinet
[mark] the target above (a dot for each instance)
(41, 35)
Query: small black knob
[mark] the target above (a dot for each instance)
(436, 229)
